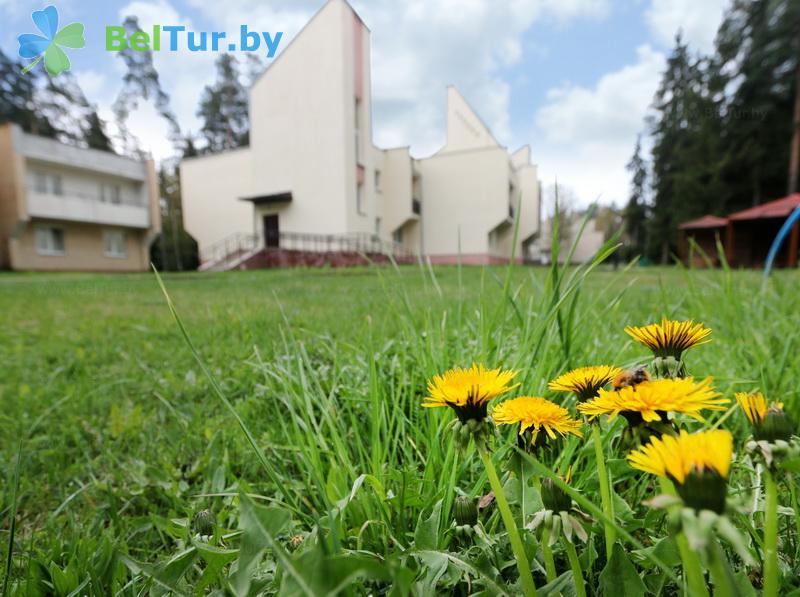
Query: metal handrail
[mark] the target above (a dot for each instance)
(237, 245)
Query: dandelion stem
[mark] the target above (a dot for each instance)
(574, 563)
(771, 571)
(605, 488)
(525, 576)
(547, 554)
(692, 571)
(724, 585)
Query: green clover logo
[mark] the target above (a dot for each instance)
(48, 44)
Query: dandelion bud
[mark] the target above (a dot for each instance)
(554, 498)
(704, 489)
(668, 368)
(776, 425)
(204, 522)
(465, 511)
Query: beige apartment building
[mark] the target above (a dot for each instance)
(312, 169)
(65, 208)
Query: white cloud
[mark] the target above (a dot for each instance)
(585, 136)
(419, 47)
(94, 85)
(698, 20)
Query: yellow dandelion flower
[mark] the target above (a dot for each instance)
(698, 463)
(755, 406)
(670, 338)
(676, 457)
(769, 421)
(585, 381)
(467, 391)
(652, 400)
(536, 414)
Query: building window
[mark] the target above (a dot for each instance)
(49, 240)
(110, 193)
(377, 180)
(39, 181)
(397, 236)
(377, 226)
(360, 199)
(47, 183)
(115, 244)
(58, 189)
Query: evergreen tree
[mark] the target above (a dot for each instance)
(758, 47)
(95, 134)
(685, 131)
(17, 98)
(223, 109)
(635, 212)
(141, 82)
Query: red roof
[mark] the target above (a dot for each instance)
(780, 208)
(707, 221)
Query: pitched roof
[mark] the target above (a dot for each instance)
(707, 221)
(779, 208)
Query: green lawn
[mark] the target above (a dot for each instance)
(123, 439)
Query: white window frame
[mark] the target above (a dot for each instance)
(110, 193)
(377, 180)
(39, 181)
(58, 184)
(360, 199)
(46, 243)
(115, 249)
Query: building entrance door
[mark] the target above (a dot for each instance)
(272, 237)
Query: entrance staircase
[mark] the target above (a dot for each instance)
(293, 249)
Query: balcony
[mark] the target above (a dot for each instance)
(81, 208)
(416, 207)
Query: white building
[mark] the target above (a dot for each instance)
(312, 168)
(584, 240)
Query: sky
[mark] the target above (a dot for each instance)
(571, 78)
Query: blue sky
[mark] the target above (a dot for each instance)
(572, 78)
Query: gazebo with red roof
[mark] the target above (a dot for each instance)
(750, 233)
(703, 231)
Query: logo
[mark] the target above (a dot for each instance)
(177, 38)
(49, 44)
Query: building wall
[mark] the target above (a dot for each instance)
(11, 180)
(304, 140)
(396, 195)
(465, 193)
(302, 115)
(83, 249)
(211, 187)
(78, 209)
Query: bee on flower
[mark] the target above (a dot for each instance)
(585, 382)
(650, 401)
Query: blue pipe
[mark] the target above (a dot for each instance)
(782, 233)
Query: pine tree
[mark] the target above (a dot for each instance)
(758, 47)
(685, 132)
(635, 212)
(141, 82)
(223, 109)
(17, 98)
(95, 134)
